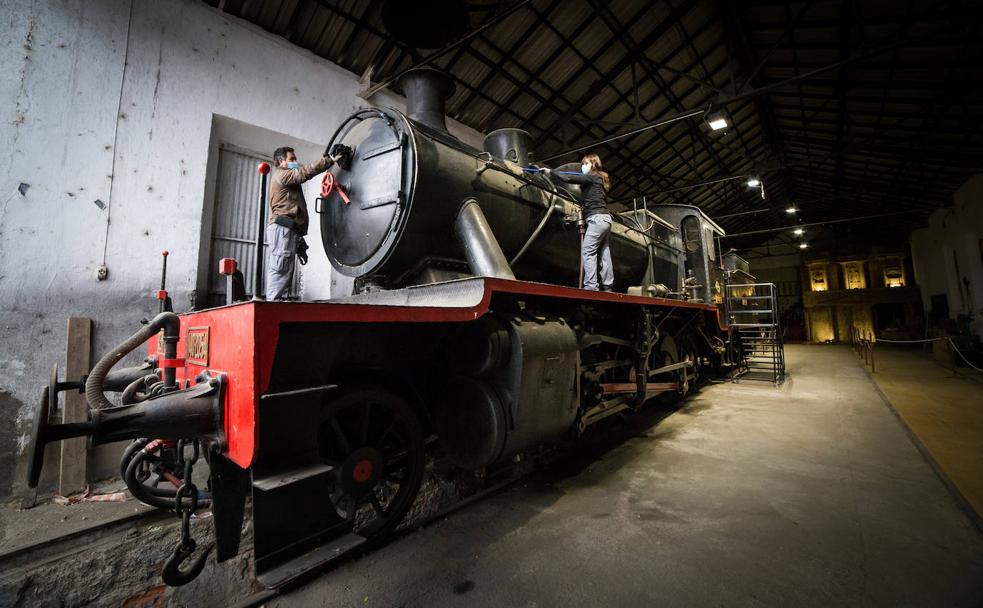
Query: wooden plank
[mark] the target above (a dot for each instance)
(73, 473)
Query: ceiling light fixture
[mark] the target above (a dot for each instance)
(753, 182)
(717, 121)
(803, 245)
(798, 231)
(792, 209)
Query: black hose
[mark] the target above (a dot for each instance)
(168, 321)
(155, 497)
(118, 379)
(130, 463)
(535, 233)
(124, 461)
(133, 457)
(131, 392)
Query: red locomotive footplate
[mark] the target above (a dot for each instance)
(240, 340)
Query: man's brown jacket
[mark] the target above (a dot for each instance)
(286, 196)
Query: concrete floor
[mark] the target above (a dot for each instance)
(944, 410)
(808, 494)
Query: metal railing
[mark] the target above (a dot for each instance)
(864, 341)
(752, 310)
(863, 344)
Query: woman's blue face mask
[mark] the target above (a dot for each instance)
(293, 165)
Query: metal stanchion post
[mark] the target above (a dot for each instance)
(952, 356)
(582, 229)
(258, 291)
(872, 344)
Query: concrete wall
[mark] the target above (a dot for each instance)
(953, 238)
(108, 115)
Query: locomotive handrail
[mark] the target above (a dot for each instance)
(359, 117)
(490, 164)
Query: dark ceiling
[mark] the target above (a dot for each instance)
(844, 109)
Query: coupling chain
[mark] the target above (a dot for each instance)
(187, 490)
(173, 574)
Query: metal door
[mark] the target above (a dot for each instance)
(234, 224)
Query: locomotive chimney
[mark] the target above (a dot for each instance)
(425, 92)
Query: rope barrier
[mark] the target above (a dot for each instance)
(962, 356)
(868, 343)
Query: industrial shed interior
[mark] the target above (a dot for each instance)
(491, 303)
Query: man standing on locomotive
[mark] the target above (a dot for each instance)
(595, 250)
(288, 217)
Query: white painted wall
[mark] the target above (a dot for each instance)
(954, 236)
(113, 101)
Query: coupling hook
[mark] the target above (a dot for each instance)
(173, 575)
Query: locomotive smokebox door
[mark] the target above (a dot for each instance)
(360, 235)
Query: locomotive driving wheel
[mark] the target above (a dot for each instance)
(665, 353)
(373, 440)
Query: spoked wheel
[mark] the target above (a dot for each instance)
(666, 352)
(689, 350)
(373, 440)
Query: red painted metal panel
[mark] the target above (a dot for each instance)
(243, 339)
(231, 352)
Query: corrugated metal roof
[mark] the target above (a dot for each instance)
(897, 130)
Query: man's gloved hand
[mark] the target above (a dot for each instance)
(302, 251)
(343, 154)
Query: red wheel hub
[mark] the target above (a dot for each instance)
(362, 471)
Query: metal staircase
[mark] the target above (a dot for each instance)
(757, 346)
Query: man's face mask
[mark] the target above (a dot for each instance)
(293, 165)
(585, 169)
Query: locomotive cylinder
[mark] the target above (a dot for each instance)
(519, 389)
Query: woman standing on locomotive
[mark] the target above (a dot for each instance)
(594, 250)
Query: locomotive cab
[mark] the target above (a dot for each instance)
(704, 277)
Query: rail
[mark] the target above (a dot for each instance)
(864, 342)
(752, 315)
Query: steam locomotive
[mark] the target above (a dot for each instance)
(467, 341)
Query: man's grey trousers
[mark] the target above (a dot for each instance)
(280, 267)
